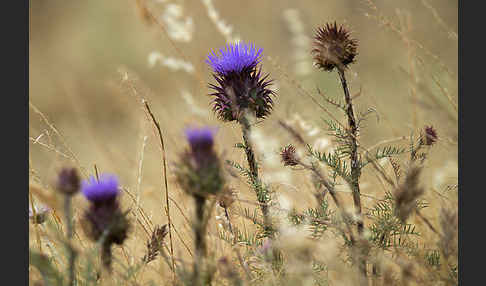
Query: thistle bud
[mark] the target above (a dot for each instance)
(68, 181)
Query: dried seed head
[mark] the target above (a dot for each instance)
(289, 158)
(408, 193)
(155, 243)
(333, 47)
(448, 221)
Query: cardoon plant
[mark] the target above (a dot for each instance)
(242, 92)
(106, 223)
(335, 49)
(199, 174)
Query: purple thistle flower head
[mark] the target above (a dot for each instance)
(102, 190)
(199, 170)
(200, 138)
(240, 85)
(235, 58)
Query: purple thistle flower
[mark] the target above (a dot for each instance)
(240, 85)
(102, 190)
(200, 138)
(199, 169)
(235, 58)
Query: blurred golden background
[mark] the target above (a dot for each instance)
(91, 62)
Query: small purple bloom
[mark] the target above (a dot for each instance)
(200, 138)
(235, 58)
(102, 190)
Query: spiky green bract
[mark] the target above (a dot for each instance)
(240, 91)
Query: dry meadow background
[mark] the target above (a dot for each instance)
(91, 63)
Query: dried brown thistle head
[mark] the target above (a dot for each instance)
(333, 47)
(430, 136)
(289, 158)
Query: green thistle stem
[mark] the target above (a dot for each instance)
(355, 164)
(199, 241)
(69, 234)
(250, 156)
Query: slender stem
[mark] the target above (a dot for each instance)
(70, 232)
(200, 243)
(250, 156)
(228, 218)
(355, 168)
(164, 162)
(355, 165)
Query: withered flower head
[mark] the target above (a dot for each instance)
(333, 47)
(288, 156)
(408, 193)
(430, 135)
(241, 86)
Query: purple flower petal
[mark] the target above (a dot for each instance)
(103, 190)
(235, 58)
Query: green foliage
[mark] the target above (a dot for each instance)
(432, 258)
(318, 219)
(384, 152)
(334, 161)
(44, 264)
(262, 191)
(387, 230)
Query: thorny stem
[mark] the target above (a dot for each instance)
(250, 156)
(70, 232)
(355, 164)
(200, 243)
